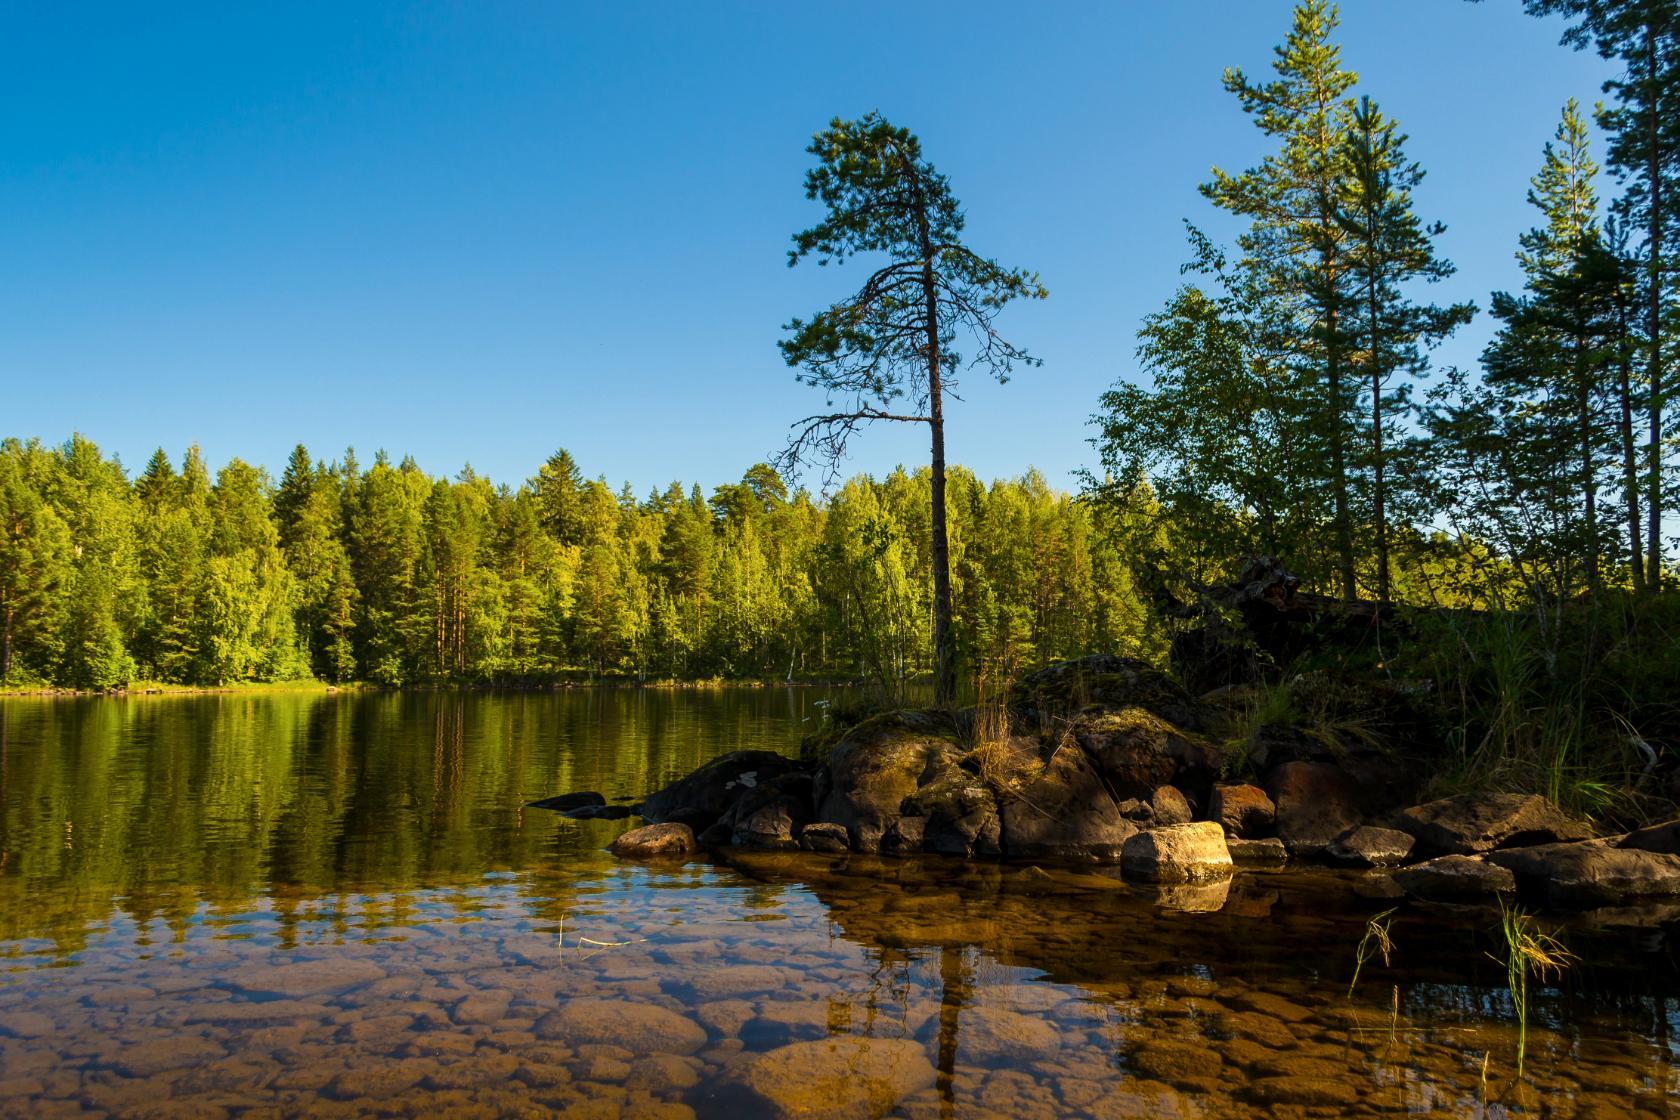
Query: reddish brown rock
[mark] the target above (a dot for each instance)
(1242, 810)
(654, 840)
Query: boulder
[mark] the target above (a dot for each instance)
(1581, 875)
(961, 815)
(566, 802)
(1664, 838)
(1134, 809)
(705, 795)
(654, 840)
(842, 1078)
(1064, 812)
(1456, 879)
(1481, 822)
(1170, 806)
(1266, 852)
(1316, 803)
(1105, 681)
(821, 836)
(1177, 853)
(877, 766)
(1243, 810)
(904, 836)
(1369, 846)
(1138, 752)
(771, 814)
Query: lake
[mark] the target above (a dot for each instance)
(337, 905)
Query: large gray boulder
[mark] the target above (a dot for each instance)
(1481, 822)
(1369, 846)
(705, 795)
(1064, 811)
(1582, 875)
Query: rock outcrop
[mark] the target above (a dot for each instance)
(1587, 874)
(1481, 822)
(705, 795)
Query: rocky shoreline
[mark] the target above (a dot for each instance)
(1110, 761)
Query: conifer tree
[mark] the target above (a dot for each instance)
(887, 352)
(1294, 242)
(1387, 247)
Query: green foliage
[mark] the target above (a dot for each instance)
(396, 577)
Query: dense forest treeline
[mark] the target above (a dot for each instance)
(393, 576)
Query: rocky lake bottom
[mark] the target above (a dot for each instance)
(337, 908)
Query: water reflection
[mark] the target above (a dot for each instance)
(336, 906)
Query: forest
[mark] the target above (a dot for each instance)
(1282, 403)
(391, 576)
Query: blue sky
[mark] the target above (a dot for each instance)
(478, 232)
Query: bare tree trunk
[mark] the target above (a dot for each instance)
(1338, 463)
(944, 653)
(1654, 407)
(1589, 493)
(1630, 468)
(1378, 497)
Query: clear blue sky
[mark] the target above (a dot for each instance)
(478, 232)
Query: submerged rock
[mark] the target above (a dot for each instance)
(1243, 810)
(1481, 822)
(833, 1078)
(1369, 846)
(641, 1028)
(705, 795)
(1177, 853)
(1591, 873)
(1065, 812)
(1456, 879)
(566, 802)
(653, 840)
(1266, 851)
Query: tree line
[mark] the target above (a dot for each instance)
(1288, 408)
(389, 575)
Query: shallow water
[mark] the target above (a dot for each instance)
(335, 905)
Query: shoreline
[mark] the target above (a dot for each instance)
(47, 692)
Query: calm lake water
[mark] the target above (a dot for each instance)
(336, 905)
